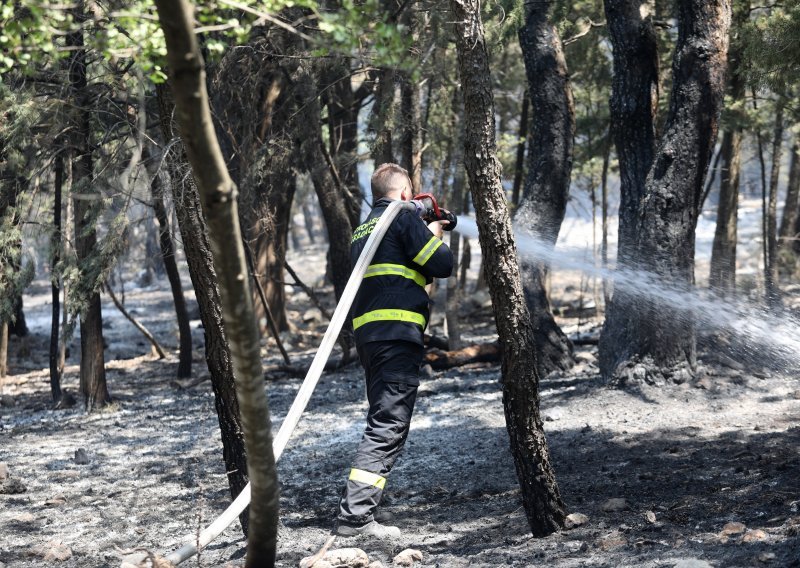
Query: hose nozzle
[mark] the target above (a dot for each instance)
(428, 209)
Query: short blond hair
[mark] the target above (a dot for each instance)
(387, 178)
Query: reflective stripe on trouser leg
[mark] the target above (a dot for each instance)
(388, 421)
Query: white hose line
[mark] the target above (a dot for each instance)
(197, 543)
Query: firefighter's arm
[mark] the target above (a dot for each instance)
(426, 250)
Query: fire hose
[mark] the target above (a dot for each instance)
(426, 207)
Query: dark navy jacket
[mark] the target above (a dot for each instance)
(391, 303)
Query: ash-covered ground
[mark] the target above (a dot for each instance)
(706, 473)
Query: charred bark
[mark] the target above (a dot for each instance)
(633, 103)
(661, 340)
(343, 107)
(519, 163)
(773, 292)
(167, 249)
(380, 118)
(197, 250)
(544, 508)
(92, 371)
(218, 198)
(311, 149)
(411, 137)
(787, 233)
(55, 244)
(546, 189)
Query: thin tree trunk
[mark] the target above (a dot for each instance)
(3, 349)
(67, 249)
(790, 215)
(343, 107)
(55, 244)
(136, 323)
(722, 278)
(197, 250)
(173, 275)
(771, 268)
(330, 199)
(520, 379)
(454, 290)
(546, 189)
(218, 198)
(92, 372)
(712, 177)
(604, 215)
(411, 139)
(519, 163)
(381, 117)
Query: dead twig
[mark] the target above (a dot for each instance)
(308, 291)
(142, 329)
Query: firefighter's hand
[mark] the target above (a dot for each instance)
(436, 227)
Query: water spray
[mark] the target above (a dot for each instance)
(782, 334)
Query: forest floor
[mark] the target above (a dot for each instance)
(705, 473)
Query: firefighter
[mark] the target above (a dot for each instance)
(390, 313)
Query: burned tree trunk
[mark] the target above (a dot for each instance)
(218, 198)
(786, 233)
(173, 275)
(55, 258)
(634, 98)
(194, 236)
(93, 372)
(773, 292)
(546, 189)
(311, 147)
(257, 122)
(722, 278)
(343, 106)
(520, 379)
(662, 342)
(381, 116)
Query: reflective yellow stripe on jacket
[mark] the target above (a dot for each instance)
(367, 477)
(427, 251)
(395, 270)
(389, 315)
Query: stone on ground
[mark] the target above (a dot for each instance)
(615, 504)
(575, 520)
(340, 558)
(52, 550)
(733, 528)
(692, 563)
(407, 557)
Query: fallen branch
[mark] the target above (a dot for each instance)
(298, 371)
(248, 253)
(136, 323)
(479, 353)
(308, 291)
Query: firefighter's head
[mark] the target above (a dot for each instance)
(392, 181)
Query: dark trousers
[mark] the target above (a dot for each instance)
(392, 378)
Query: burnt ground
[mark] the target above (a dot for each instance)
(690, 461)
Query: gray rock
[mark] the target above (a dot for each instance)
(576, 520)
(12, 486)
(81, 458)
(692, 563)
(616, 504)
(407, 557)
(553, 415)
